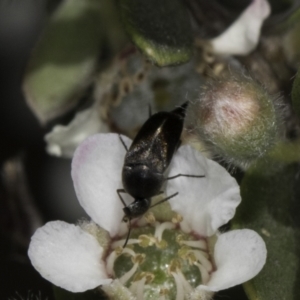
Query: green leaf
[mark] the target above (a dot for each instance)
(161, 29)
(286, 152)
(64, 59)
(296, 93)
(268, 198)
(61, 294)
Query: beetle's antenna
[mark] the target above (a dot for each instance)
(128, 234)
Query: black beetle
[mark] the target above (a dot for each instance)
(148, 158)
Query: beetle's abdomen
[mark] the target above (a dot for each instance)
(140, 181)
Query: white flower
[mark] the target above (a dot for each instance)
(71, 257)
(243, 35)
(63, 140)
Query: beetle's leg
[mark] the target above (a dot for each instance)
(125, 219)
(119, 191)
(164, 200)
(128, 234)
(185, 175)
(123, 142)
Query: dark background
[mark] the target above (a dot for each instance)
(24, 163)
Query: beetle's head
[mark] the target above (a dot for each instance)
(136, 209)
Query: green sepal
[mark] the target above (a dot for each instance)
(268, 198)
(61, 294)
(160, 29)
(286, 152)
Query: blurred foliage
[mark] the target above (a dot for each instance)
(296, 94)
(163, 34)
(65, 58)
(269, 197)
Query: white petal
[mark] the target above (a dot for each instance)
(96, 174)
(63, 140)
(243, 35)
(239, 256)
(205, 203)
(68, 257)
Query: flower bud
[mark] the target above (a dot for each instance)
(235, 118)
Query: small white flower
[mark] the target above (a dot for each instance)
(243, 35)
(71, 257)
(63, 140)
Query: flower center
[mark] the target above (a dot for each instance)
(160, 262)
